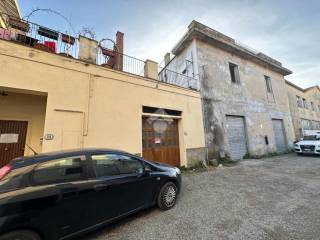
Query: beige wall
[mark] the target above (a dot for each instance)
(25, 107)
(298, 113)
(90, 106)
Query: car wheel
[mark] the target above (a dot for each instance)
(167, 196)
(20, 235)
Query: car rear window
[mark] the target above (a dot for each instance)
(59, 170)
(14, 179)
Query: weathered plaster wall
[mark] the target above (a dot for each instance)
(187, 61)
(248, 99)
(298, 113)
(90, 106)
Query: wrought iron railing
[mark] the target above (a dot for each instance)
(178, 79)
(46, 39)
(39, 37)
(118, 61)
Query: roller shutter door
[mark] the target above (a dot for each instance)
(279, 134)
(236, 137)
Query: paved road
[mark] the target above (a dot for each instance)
(276, 198)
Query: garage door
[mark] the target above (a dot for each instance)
(279, 134)
(236, 137)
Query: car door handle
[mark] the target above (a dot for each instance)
(100, 187)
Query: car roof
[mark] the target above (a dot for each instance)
(42, 157)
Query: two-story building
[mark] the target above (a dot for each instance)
(305, 108)
(59, 91)
(244, 100)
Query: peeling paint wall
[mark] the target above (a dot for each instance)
(186, 63)
(299, 113)
(249, 99)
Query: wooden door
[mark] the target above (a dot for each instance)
(160, 140)
(12, 140)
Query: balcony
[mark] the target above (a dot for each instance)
(178, 79)
(81, 48)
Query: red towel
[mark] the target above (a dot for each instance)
(51, 45)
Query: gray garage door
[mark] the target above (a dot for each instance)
(236, 137)
(279, 134)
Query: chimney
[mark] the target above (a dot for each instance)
(166, 59)
(119, 55)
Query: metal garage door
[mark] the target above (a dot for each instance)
(236, 137)
(279, 134)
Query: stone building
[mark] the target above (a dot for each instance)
(246, 110)
(304, 107)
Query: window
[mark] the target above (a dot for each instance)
(312, 106)
(14, 179)
(234, 73)
(268, 84)
(306, 124)
(299, 102)
(305, 104)
(106, 165)
(60, 170)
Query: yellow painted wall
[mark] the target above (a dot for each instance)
(90, 106)
(25, 107)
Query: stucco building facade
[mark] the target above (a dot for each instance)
(244, 105)
(61, 101)
(304, 107)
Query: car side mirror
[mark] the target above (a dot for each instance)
(147, 170)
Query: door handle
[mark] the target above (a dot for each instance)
(6, 149)
(100, 187)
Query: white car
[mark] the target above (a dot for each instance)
(308, 145)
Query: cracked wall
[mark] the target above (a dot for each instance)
(249, 99)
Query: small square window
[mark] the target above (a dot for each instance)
(234, 73)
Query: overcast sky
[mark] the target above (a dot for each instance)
(287, 30)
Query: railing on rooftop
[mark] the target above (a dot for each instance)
(178, 79)
(49, 40)
(118, 61)
(39, 37)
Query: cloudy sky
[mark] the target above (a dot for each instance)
(287, 30)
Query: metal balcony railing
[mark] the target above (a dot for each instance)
(46, 39)
(118, 61)
(178, 79)
(39, 37)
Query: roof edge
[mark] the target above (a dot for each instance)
(197, 30)
(300, 88)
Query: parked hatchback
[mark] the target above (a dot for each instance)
(62, 194)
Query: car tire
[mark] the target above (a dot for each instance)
(21, 235)
(167, 196)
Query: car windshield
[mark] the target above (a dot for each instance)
(311, 137)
